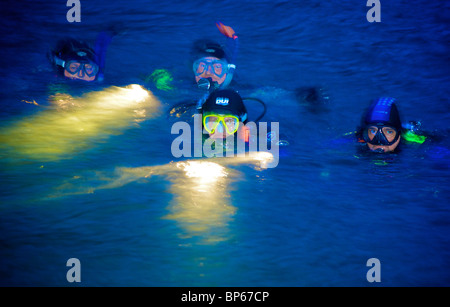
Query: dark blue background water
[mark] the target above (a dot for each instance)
(313, 221)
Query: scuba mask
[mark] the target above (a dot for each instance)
(73, 67)
(217, 68)
(381, 135)
(211, 123)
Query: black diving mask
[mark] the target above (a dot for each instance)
(381, 134)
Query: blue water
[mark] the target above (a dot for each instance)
(314, 220)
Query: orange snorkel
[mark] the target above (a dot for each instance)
(226, 30)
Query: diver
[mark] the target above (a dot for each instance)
(213, 67)
(212, 63)
(383, 135)
(228, 129)
(382, 130)
(77, 60)
(225, 121)
(223, 113)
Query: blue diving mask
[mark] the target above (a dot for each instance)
(217, 67)
(88, 67)
(73, 67)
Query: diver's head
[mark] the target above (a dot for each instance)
(75, 60)
(222, 113)
(210, 65)
(382, 126)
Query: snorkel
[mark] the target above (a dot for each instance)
(230, 33)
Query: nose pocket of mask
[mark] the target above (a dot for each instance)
(219, 128)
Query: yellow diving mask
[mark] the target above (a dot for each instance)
(215, 122)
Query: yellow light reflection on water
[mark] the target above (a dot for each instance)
(201, 203)
(72, 124)
(201, 191)
(205, 173)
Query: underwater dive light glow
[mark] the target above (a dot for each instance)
(71, 124)
(137, 93)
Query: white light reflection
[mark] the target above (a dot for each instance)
(205, 173)
(264, 158)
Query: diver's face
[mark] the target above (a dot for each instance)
(209, 67)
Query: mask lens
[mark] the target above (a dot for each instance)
(231, 124)
(200, 67)
(389, 133)
(73, 67)
(372, 132)
(90, 69)
(210, 122)
(218, 69)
